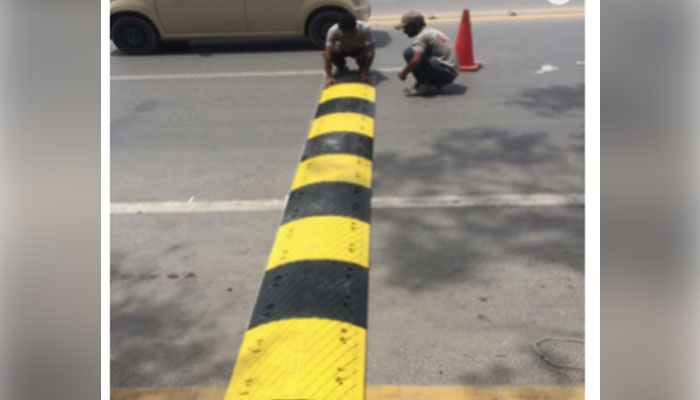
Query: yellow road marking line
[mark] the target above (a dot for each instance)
(493, 19)
(476, 392)
(300, 359)
(334, 168)
(487, 12)
(376, 393)
(321, 238)
(358, 90)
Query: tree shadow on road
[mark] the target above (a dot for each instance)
(498, 374)
(486, 160)
(156, 339)
(450, 246)
(447, 252)
(552, 101)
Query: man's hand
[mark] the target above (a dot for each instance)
(364, 77)
(329, 80)
(402, 75)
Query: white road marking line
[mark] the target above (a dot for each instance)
(494, 200)
(547, 68)
(185, 207)
(232, 206)
(218, 75)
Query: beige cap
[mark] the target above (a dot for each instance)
(411, 17)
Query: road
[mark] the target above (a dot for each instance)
(458, 295)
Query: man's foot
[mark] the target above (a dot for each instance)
(413, 90)
(340, 71)
(422, 90)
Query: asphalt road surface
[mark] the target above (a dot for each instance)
(458, 294)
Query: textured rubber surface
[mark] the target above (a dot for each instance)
(313, 289)
(321, 238)
(352, 90)
(307, 336)
(334, 168)
(301, 359)
(341, 142)
(360, 106)
(334, 198)
(342, 122)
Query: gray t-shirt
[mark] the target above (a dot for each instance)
(362, 39)
(434, 43)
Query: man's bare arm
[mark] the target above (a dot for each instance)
(370, 59)
(413, 64)
(327, 54)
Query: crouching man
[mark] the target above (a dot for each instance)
(349, 38)
(430, 57)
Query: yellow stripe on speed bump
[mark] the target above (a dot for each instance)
(300, 359)
(334, 168)
(342, 122)
(356, 90)
(321, 238)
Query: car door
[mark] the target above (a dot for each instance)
(274, 15)
(195, 17)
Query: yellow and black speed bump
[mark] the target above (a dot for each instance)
(341, 143)
(331, 198)
(321, 289)
(344, 104)
(307, 336)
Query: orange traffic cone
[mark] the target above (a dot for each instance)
(465, 50)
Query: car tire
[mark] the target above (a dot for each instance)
(134, 35)
(319, 25)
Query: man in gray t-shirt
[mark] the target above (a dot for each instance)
(430, 57)
(349, 38)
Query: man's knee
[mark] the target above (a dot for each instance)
(408, 54)
(337, 57)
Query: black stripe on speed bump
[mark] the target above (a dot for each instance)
(313, 289)
(346, 104)
(329, 198)
(339, 143)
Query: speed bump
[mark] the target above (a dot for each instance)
(306, 339)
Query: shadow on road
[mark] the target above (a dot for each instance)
(210, 47)
(156, 337)
(498, 374)
(381, 38)
(448, 246)
(486, 160)
(455, 89)
(552, 101)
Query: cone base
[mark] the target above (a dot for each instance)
(474, 67)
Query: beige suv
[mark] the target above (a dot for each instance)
(137, 26)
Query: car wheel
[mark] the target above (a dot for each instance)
(319, 26)
(134, 35)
